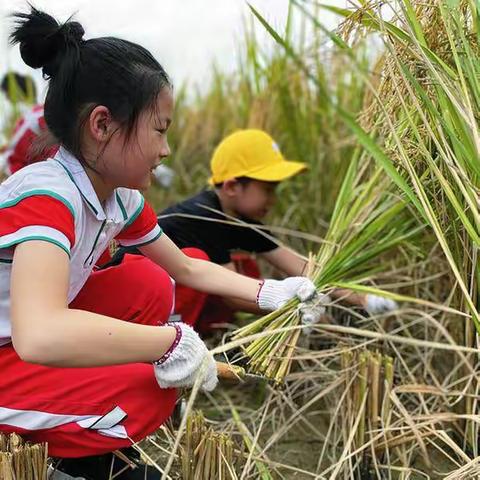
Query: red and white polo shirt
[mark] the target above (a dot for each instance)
(55, 201)
(19, 151)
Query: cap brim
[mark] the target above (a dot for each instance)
(277, 173)
(273, 173)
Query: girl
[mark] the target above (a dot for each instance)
(109, 104)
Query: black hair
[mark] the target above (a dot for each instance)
(83, 74)
(24, 84)
(243, 181)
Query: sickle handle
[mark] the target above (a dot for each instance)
(233, 373)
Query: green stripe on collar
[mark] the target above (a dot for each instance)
(78, 188)
(122, 207)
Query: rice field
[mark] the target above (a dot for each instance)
(385, 110)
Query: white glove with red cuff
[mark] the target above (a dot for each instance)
(185, 360)
(274, 294)
(376, 304)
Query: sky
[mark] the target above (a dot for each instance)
(186, 36)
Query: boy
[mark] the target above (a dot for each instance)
(246, 168)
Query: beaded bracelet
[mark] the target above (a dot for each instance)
(259, 289)
(172, 347)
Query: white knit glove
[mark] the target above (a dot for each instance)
(186, 359)
(311, 311)
(376, 304)
(274, 294)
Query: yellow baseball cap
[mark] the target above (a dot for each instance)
(251, 153)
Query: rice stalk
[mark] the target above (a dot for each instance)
(367, 222)
(21, 460)
(205, 453)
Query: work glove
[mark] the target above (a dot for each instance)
(274, 294)
(185, 360)
(375, 304)
(311, 311)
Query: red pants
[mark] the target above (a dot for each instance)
(201, 310)
(89, 411)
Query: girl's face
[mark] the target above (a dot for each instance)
(129, 162)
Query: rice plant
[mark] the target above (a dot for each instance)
(419, 125)
(270, 92)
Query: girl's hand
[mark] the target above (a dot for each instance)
(185, 360)
(274, 294)
(376, 304)
(313, 311)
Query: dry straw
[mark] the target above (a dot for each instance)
(20, 460)
(205, 453)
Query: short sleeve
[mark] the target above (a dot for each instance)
(35, 216)
(213, 243)
(141, 228)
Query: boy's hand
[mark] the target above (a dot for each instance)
(376, 304)
(187, 358)
(274, 294)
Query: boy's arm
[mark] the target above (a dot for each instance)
(286, 260)
(349, 297)
(294, 264)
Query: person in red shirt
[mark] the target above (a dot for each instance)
(24, 146)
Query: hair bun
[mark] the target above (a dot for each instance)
(72, 31)
(43, 40)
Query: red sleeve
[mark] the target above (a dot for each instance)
(142, 228)
(37, 216)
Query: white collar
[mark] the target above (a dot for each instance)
(77, 174)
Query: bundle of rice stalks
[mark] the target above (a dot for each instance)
(368, 383)
(20, 460)
(206, 454)
(368, 221)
